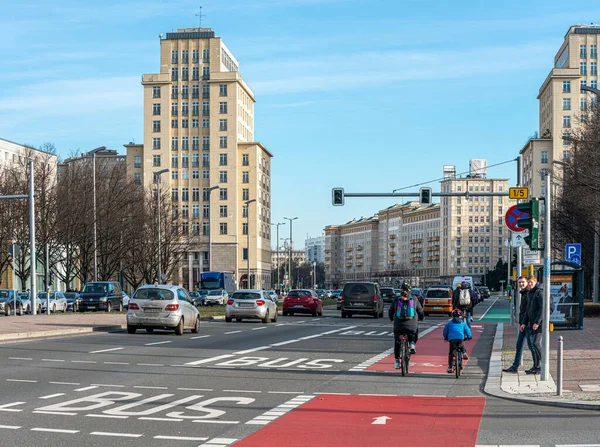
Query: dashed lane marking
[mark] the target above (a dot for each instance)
(50, 396)
(158, 343)
(10, 427)
(62, 413)
(151, 387)
(149, 364)
(107, 386)
(195, 389)
(199, 336)
(259, 328)
(180, 438)
(20, 358)
(241, 391)
(120, 435)
(83, 361)
(215, 422)
(106, 416)
(219, 442)
(280, 410)
(52, 360)
(106, 350)
(21, 380)
(116, 363)
(232, 332)
(65, 383)
(6, 407)
(55, 430)
(160, 419)
(85, 388)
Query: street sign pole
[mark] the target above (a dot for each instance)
(546, 318)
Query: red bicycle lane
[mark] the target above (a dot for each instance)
(358, 420)
(432, 353)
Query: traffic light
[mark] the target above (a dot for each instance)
(425, 196)
(337, 196)
(530, 222)
(51, 277)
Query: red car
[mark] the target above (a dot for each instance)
(302, 301)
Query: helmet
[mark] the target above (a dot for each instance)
(405, 287)
(456, 313)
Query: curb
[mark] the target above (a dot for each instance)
(492, 384)
(38, 334)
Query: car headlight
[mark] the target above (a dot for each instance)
(103, 299)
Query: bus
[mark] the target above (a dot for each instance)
(217, 281)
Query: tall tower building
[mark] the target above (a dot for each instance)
(561, 101)
(199, 123)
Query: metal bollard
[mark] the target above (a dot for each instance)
(559, 367)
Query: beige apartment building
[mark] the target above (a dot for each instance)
(473, 230)
(282, 257)
(104, 158)
(561, 101)
(199, 124)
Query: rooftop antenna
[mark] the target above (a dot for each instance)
(200, 15)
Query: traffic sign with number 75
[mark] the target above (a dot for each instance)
(518, 193)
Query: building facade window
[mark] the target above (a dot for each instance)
(544, 156)
(185, 195)
(195, 194)
(205, 160)
(174, 175)
(566, 103)
(155, 143)
(205, 55)
(583, 68)
(174, 109)
(206, 123)
(205, 228)
(206, 211)
(155, 109)
(566, 86)
(185, 161)
(223, 211)
(583, 104)
(593, 51)
(566, 121)
(223, 142)
(174, 124)
(195, 160)
(583, 51)
(245, 194)
(174, 56)
(222, 176)
(185, 123)
(222, 159)
(206, 174)
(185, 92)
(245, 211)
(174, 161)
(185, 143)
(244, 228)
(174, 73)
(245, 177)
(223, 125)
(594, 84)
(222, 193)
(205, 142)
(245, 160)
(195, 228)
(223, 107)
(195, 143)
(594, 68)
(137, 161)
(223, 228)
(156, 92)
(195, 211)
(223, 90)
(205, 73)
(195, 123)
(175, 195)
(184, 73)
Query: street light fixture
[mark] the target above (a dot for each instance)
(247, 203)
(158, 191)
(291, 219)
(210, 190)
(315, 274)
(94, 152)
(277, 224)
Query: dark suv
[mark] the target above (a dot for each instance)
(101, 295)
(362, 298)
(388, 294)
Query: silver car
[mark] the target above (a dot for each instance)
(217, 297)
(162, 307)
(57, 302)
(251, 304)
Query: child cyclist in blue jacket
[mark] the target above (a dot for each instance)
(455, 332)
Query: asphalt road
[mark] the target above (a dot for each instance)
(300, 381)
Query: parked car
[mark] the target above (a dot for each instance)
(438, 301)
(362, 298)
(102, 295)
(328, 293)
(485, 292)
(26, 300)
(195, 296)
(162, 307)
(217, 297)
(417, 293)
(203, 294)
(126, 299)
(388, 294)
(73, 301)
(8, 298)
(321, 293)
(302, 301)
(56, 301)
(250, 304)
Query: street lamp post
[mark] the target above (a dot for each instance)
(291, 219)
(277, 257)
(285, 240)
(315, 274)
(94, 152)
(158, 191)
(247, 203)
(210, 190)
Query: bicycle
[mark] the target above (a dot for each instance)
(457, 361)
(404, 354)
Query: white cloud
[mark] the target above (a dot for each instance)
(340, 72)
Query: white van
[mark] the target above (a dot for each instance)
(459, 279)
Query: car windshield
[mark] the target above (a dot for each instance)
(42, 295)
(204, 292)
(95, 288)
(70, 295)
(215, 292)
(4, 293)
(245, 296)
(299, 293)
(438, 294)
(154, 294)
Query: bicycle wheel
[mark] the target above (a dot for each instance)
(402, 356)
(457, 362)
(406, 356)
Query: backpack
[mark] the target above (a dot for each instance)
(464, 298)
(406, 309)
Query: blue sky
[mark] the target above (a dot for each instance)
(367, 95)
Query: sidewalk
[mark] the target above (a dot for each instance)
(70, 323)
(581, 368)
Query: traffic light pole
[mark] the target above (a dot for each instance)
(545, 373)
(517, 295)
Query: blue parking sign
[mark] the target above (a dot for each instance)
(573, 253)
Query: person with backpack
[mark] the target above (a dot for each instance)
(464, 299)
(405, 312)
(455, 332)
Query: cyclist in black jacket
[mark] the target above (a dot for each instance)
(405, 324)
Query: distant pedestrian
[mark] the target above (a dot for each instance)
(533, 321)
(523, 290)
